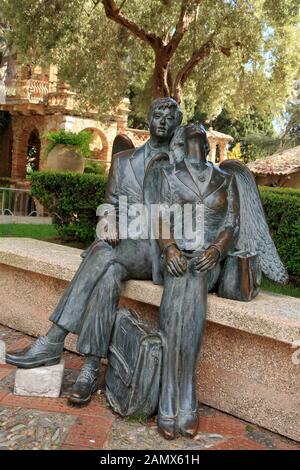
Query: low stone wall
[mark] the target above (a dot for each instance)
(18, 219)
(245, 367)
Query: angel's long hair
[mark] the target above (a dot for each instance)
(179, 138)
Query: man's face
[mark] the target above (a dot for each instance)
(163, 124)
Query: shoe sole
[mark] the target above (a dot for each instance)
(31, 365)
(83, 401)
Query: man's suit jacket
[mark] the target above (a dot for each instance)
(126, 178)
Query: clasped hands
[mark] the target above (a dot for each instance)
(176, 262)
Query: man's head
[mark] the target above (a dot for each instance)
(163, 117)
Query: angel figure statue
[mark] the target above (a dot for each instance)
(231, 249)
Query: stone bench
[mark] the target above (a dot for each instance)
(246, 366)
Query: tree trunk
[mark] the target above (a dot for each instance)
(160, 86)
(177, 94)
(163, 83)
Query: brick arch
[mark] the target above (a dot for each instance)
(23, 126)
(102, 154)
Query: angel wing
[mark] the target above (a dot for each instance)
(254, 235)
(121, 142)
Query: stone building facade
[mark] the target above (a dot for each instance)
(33, 103)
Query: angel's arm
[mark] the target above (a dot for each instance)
(174, 260)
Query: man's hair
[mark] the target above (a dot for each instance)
(163, 103)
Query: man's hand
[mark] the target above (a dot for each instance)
(208, 259)
(175, 261)
(111, 235)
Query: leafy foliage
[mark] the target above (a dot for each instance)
(94, 168)
(227, 54)
(291, 137)
(80, 140)
(253, 135)
(282, 207)
(71, 199)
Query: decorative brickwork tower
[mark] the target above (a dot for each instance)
(34, 103)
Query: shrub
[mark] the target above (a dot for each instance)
(81, 140)
(282, 207)
(287, 191)
(71, 199)
(94, 168)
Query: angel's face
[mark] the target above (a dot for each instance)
(195, 131)
(196, 139)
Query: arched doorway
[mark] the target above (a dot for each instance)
(98, 145)
(98, 161)
(33, 152)
(6, 141)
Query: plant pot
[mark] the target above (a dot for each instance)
(65, 158)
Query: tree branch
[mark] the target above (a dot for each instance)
(113, 13)
(122, 4)
(182, 25)
(198, 55)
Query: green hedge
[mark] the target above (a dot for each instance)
(72, 200)
(286, 191)
(282, 208)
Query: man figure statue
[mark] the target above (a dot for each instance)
(88, 306)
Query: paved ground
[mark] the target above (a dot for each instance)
(50, 423)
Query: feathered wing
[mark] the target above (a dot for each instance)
(254, 235)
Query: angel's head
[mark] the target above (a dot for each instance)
(186, 139)
(178, 145)
(196, 138)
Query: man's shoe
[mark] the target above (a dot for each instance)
(86, 384)
(41, 353)
(188, 423)
(166, 426)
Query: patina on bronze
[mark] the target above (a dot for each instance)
(88, 306)
(230, 241)
(236, 246)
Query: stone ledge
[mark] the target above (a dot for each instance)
(269, 315)
(245, 365)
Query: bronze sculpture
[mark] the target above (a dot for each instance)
(191, 271)
(187, 268)
(88, 306)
